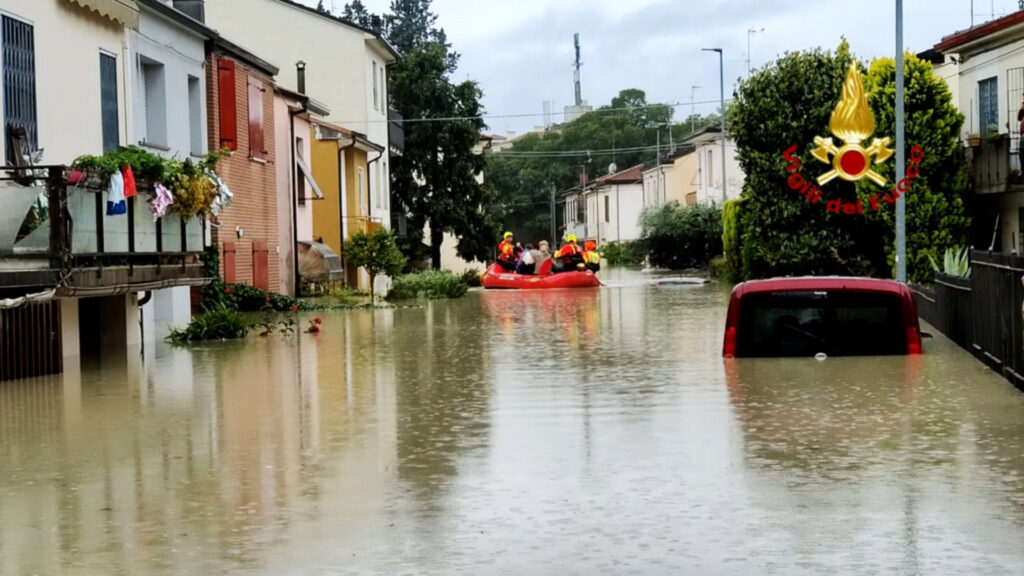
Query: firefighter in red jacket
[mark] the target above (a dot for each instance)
(507, 256)
(570, 256)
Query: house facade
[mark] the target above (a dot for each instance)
(241, 102)
(607, 209)
(345, 66)
(707, 144)
(673, 180)
(984, 67)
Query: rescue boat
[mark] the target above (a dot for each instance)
(497, 277)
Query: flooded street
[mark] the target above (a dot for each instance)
(552, 432)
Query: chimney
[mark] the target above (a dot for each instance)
(193, 8)
(300, 71)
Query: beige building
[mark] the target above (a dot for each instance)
(674, 180)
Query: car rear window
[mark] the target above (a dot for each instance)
(834, 323)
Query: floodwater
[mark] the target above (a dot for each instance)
(577, 432)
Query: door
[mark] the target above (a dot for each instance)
(260, 271)
(228, 263)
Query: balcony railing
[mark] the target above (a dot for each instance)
(396, 132)
(996, 165)
(57, 235)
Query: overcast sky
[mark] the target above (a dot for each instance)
(521, 51)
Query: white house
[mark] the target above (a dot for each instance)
(607, 209)
(708, 149)
(984, 67)
(345, 66)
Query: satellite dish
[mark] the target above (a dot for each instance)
(612, 168)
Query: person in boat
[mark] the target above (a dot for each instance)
(570, 257)
(527, 263)
(507, 255)
(591, 256)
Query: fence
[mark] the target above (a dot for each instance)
(983, 314)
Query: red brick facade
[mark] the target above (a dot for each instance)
(253, 181)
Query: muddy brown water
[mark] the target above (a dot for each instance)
(573, 432)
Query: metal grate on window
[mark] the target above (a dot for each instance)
(988, 105)
(19, 74)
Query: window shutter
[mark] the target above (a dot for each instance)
(228, 104)
(256, 147)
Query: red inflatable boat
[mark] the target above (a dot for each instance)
(497, 278)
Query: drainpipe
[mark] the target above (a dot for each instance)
(300, 67)
(368, 164)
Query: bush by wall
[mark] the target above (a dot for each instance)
(216, 323)
(622, 253)
(677, 237)
(431, 284)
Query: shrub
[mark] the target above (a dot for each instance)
(472, 277)
(956, 262)
(217, 323)
(732, 264)
(677, 237)
(431, 284)
(622, 253)
(719, 269)
(241, 297)
(376, 253)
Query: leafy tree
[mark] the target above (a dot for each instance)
(678, 237)
(377, 253)
(321, 9)
(790, 102)
(936, 216)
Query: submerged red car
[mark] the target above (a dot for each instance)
(835, 316)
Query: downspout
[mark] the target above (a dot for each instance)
(368, 164)
(301, 70)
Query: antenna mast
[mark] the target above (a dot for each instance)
(576, 74)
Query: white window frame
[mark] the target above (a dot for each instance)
(376, 100)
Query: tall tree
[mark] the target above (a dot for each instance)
(321, 9)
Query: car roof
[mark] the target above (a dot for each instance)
(809, 283)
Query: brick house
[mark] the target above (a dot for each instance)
(240, 104)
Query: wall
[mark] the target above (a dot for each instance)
(710, 191)
(625, 205)
(183, 54)
(68, 41)
(993, 63)
(285, 174)
(339, 66)
(253, 182)
(327, 212)
(684, 178)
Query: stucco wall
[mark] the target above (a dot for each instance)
(284, 172)
(68, 42)
(709, 190)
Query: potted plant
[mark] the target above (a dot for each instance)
(993, 132)
(973, 140)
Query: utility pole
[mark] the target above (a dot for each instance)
(693, 109)
(721, 80)
(750, 31)
(901, 201)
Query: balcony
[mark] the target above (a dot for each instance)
(362, 224)
(996, 166)
(396, 133)
(59, 237)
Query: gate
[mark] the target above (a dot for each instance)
(30, 341)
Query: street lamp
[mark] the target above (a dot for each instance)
(721, 80)
(750, 31)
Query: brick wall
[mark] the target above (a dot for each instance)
(253, 182)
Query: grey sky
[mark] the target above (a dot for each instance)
(521, 50)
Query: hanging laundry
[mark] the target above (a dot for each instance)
(129, 181)
(161, 200)
(115, 195)
(224, 196)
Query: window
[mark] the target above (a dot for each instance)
(711, 171)
(108, 102)
(153, 116)
(300, 180)
(607, 209)
(988, 103)
(383, 90)
(376, 101)
(19, 78)
(195, 116)
(227, 104)
(386, 190)
(256, 145)
(361, 188)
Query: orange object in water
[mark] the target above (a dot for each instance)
(497, 278)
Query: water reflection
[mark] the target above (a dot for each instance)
(541, 432)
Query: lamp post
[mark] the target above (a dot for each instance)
(750, 32)
(693, 110)
(721, 80)
(901, 202)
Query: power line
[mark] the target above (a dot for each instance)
(526, 115)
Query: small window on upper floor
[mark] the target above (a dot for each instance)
(195, 116)
(153, 89)
(257, 146)
(988, 104)
(376, 100)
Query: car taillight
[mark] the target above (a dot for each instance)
(913, 340)
(729, 346)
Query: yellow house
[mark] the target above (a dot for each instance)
(342, 161)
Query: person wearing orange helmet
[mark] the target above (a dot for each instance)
(590, 255)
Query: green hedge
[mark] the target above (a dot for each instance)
(622, 253)
(732, 267)
(431, 284)
(678, 237)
